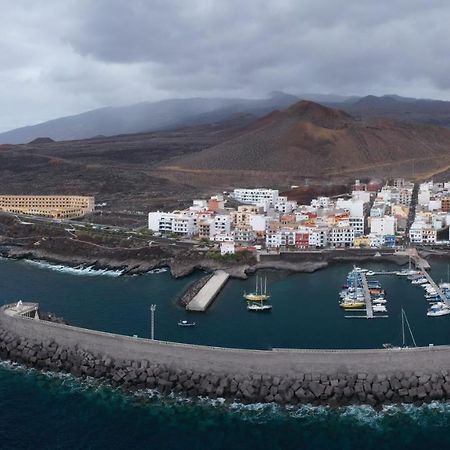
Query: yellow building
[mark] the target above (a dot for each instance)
(52, 206)
(243, 214)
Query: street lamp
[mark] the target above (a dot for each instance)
(152, 329)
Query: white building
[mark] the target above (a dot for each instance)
(221, 225)
(354, 206)
(357, 223)
(341, 236)
(258, 222)
(256, 196)
(227, 248)
(318, 237)
(422, 233)
(321, 202)
(285, 206)
(176, 222)
(383, 226)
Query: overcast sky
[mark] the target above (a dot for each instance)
(61, 57)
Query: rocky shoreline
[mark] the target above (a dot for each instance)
(184, 262)
(338, 389)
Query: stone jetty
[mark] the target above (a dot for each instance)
(335, 378)
(208, 292)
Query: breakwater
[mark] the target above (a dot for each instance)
(283, 376)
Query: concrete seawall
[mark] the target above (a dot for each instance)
(281, 375)
(208, 292)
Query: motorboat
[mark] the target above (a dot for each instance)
(259, 308)
(379, 308)
(438, 309)
(422, 280)
(185, 323)
(407, 273)
(379, 301)
(352, 304)
(370, 273)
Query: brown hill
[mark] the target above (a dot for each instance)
(309, 139)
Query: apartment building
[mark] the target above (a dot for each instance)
(52, 206)
(257, 196)
(175, 222)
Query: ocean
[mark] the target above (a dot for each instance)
(47, 411)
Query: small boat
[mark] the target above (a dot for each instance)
(185, 323)
(379, 308)
(360, 270)
(258, 308)
(352, 304)
(438, 309)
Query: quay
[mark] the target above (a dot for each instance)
(208, 292)
(367, 299)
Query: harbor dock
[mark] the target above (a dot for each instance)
(367, 299)
(208, 292)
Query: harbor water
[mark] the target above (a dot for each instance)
(53, 411)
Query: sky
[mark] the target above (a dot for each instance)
(62, 57)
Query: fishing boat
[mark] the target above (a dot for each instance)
(438, 309)
(185, 323)
(259, 308)
(260, 295)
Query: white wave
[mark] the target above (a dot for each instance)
(78, 270)
(158, 270)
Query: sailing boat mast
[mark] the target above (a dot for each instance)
(403, 328)
(405, 318)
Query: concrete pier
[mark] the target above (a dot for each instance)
(208, 292)
(284, 376)
(367, 299)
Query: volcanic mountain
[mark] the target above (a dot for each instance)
(308, 139)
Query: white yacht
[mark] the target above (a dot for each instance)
(379, 308)
(438, 309)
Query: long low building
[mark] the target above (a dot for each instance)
(52, 206)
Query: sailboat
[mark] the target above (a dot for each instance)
(262, 295)
(404, 320)
(407, 272)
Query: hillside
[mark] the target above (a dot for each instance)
(145, 117)
(434, 112)
(309, 139)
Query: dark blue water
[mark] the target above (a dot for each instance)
(305, 312)
(44, 412)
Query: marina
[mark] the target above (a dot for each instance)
(303, 304)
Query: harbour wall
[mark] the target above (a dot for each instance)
(332, 377)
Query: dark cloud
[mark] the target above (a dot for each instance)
(65, 56)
